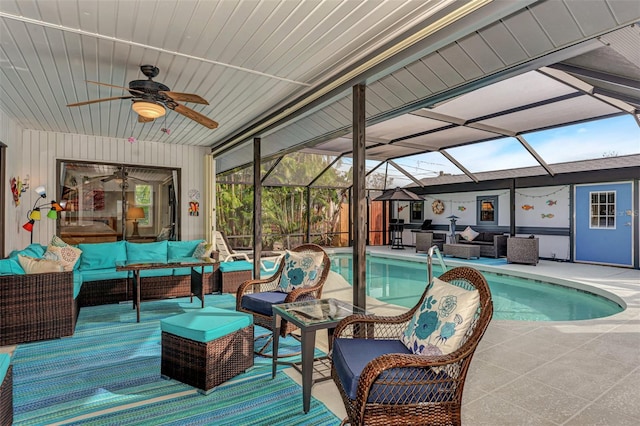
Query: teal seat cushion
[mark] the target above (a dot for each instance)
(147, 252)
(77, 283)
(239, 265)
(11, 266)
(103, 274)
(206, 324)
(5, 361)
(178, 249)
(102, 255)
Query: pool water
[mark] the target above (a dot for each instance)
(402, 282)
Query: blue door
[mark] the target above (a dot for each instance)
(603, 226)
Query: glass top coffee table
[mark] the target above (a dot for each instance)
(310, 316)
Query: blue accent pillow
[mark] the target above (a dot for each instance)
(147, 252)
(102, 255)
(300, 270)
(182, 248)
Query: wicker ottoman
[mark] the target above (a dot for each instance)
(6, 390)
(206, 347)
(466, 251)
(232, 274)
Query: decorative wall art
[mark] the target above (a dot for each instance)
(194, 204)
(437, 206)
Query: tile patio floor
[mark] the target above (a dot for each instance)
(543, 373)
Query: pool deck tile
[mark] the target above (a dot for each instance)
(541, 373)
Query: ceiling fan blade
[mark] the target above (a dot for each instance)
(195, 116)
(108, 178)
(99, 100)
(117, 87)
(142, 119)
(186, 97)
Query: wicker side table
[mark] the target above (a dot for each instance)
(522, 250)
(232, 274)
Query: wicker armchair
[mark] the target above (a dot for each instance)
(403, 388)
(264, 291)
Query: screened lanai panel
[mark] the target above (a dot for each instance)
(298, 169)
(339, 175)
(613, 137)
(447, 137)
(498, 154)
(386, 176)
(244, 176)
(384, 151)
(427, 165)
(408, 124)
(524, 89)
(570, 110)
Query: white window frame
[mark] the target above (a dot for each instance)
(599, 210)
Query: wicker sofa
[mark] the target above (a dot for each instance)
(491, 244)
(46, 305)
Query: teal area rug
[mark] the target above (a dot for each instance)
(108, 372)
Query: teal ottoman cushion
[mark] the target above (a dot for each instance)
(206, 324)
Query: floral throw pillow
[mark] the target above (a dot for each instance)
(62, 252)
(440, 323)
(203, 249)
(300, 270)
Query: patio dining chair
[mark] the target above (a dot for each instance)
(410, 369)
(300, 276)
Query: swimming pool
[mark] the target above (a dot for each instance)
(401, 282)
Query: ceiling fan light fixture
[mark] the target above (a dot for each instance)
(148, 109)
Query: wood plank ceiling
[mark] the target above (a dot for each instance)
(282, 70)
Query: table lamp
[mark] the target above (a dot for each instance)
(135, 213)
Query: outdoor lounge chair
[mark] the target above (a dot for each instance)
(382, 382)
(228, 254)
(257, 296)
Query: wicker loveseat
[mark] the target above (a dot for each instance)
(45, 306)
(491, 244)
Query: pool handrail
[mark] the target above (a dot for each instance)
(430, 253)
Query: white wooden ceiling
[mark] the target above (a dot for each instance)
(281, 69)
(244, 57)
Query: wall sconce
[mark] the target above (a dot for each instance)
(36, 214)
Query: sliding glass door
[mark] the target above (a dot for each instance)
(113, 202)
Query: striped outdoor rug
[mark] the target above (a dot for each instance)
(108, 372)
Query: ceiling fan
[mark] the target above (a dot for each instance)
(119, 175)
(150, 99)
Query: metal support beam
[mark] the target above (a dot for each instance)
(535, 154)
(406, 173)
(359, 198)
(512, 207)
(308, 210)
(257, 208)
(460, 166)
